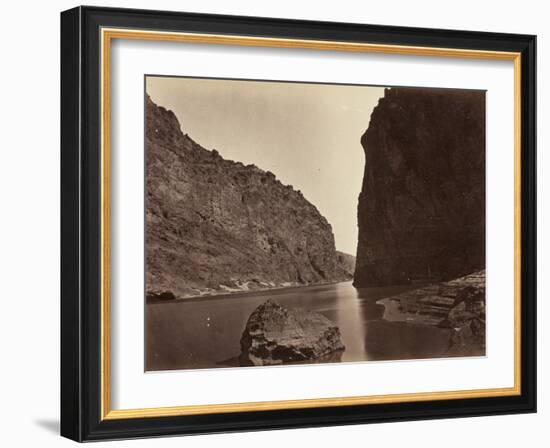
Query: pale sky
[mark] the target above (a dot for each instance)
(308, 135)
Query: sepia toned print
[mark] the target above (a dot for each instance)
(307, 223)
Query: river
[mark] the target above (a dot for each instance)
(205, 332)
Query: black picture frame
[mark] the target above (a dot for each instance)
(81, 224)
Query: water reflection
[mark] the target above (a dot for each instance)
(350, 320)
(206, 332)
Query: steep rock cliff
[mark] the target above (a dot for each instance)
(421, 212)
(214, 225)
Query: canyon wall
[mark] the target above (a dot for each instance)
(421, 212)
(215, 226)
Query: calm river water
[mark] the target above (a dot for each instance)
(205, 332)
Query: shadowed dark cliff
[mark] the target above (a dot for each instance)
(421, 212)
(214, 225)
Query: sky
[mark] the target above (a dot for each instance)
(308, 135)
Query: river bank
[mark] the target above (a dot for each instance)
(458, 305)
(205, 332)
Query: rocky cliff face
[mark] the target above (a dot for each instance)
(346, 262)
(214, 225)
(421, 212)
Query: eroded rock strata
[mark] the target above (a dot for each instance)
(277, 335)
(216, 226)
(421, 212)
(458, 305)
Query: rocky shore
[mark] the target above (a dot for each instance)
(458, 305)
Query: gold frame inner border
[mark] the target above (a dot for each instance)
(107, 36)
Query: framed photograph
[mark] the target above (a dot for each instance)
(273, 223)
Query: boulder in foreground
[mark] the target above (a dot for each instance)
(276, 335)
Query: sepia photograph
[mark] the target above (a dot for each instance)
(303, 223)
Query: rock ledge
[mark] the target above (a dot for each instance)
(458, 305)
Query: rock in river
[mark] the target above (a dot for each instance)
(276, 335)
